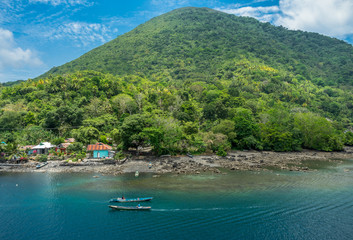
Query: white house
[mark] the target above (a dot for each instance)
(43, 148)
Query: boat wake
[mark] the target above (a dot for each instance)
(191, 209)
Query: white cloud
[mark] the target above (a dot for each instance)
(13, 56)
(82, 33)
(170, 3)
(9, 10)
(262, 13)
(329, 17)
(63, 2)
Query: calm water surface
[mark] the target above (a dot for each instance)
(239, 205)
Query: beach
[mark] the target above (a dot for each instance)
(182, 164)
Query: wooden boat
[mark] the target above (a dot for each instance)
(134, 208)
(41, 165)
(145, 199)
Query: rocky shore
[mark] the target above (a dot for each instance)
(234, 161)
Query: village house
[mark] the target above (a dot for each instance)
(70, 140)
(100, 150)
(43, 148)
(63, 146)
(27, 149)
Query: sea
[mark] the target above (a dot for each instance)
(272, 204)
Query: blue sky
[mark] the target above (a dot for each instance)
(36, 35)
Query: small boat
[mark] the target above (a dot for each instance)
(137, 173)
(41, 165)
(136, 208)
(145, 199)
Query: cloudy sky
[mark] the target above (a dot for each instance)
(36, 35)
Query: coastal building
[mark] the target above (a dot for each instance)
(62, 147)
(100, 150)
(27, 149)
(43, 148)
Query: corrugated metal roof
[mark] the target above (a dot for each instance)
(44, 145)
(98, 146)
(63, 145)
(26, 147)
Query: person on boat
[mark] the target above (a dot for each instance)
(138, 205)
(123, 197)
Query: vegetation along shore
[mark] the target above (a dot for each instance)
(235, 161)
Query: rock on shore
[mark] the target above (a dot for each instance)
(235, 160)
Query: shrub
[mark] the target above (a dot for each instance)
(75, 147)
(42, 158)
(216, 142)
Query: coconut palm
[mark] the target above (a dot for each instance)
(11, 151)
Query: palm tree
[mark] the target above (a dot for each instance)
(2, 150)
(11, 150)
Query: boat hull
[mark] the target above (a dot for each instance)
(41, 165)
(122, 208)
(145, 199)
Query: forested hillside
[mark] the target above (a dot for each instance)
(193, 80)
(194, 43)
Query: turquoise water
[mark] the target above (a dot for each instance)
(239, 205)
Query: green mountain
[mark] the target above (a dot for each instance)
(194, 43)
(12, 83)
(192, 80)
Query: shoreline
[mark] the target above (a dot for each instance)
(235, 161)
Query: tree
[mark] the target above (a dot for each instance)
(86, 134)
(103, 123)
(348, 138)
(188, 112)
(154, 136)
(226, 127)
(216, 142)
(65, 114)
(11, 120)
(131, 131)
(278, 132)
(57, 141)
(11, 149)
(190, 128)
(246, 128)
(164, 135)
(76, 147)
(215, 110)
(97, 107)
(123, 103)
(116, 136)
(318, 132)
(34, 134)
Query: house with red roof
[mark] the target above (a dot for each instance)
(62, 147)
(100, 150)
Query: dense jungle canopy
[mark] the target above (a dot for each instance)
(193, 80)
